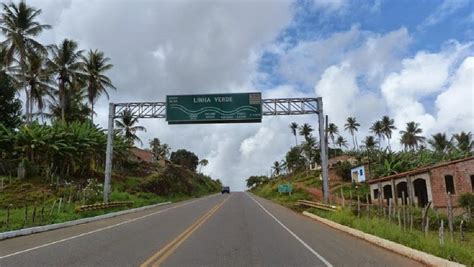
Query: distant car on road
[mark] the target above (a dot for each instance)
(225, 189)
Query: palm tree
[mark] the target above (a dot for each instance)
(128, 128)
(333, 130)
(76, 109)
(341, 142)
(464, 141)
(388, 126)
(410, 137)
(305, 130)
(352, 126)
(203, 162)
(165, 151)
(293, 127)
(66, 64)
(38, 79)
(19, 25)
(377, 129)
(276, 167)
(308, 148)
(439, 142)
(95, 65)
(370, 143)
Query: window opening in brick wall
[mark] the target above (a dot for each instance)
(449, 182)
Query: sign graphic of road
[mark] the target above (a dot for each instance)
(214, 108)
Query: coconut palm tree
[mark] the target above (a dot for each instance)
(370, 143)
(294, 127)
(128, 128)
(352, 126)
(377, 129)
(341, 142)
(333, 130)
(203, 162)
(410, 137)
(464, 141)
(19, 25)
(76, 108)
(439, 142)
(66, 64)
(388, 126)
(37, 78)
(305, 130)
(276, 167)
(94, 67)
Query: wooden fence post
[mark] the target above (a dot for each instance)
(461, 230)
(343, 200)
(350, 198)
(424, 214)
(450, 217)
(59, 205)
(399, 219)
(390, 209)
(358, 206)
(441, 233)
(368, 205)
(427, 226)
(8, 215)
(404, 211)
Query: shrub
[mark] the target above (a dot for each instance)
(343, 169)
(467, 200)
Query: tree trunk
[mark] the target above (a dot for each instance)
(27, 106)
(92, 112)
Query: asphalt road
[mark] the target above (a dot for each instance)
(239, 229)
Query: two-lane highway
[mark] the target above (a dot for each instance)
(239, 229)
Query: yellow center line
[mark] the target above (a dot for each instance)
(171, 247)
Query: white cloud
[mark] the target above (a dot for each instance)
(447, 8)
(178, 47)
(371, 55)
(455, 106)
(425, 75)
(342, 98)
(330, 5)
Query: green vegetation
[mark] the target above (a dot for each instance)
(25, 204)
(52, 160)
(269, 190)
(459, 251)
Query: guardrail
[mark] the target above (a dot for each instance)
(318, 205)
(99, 206)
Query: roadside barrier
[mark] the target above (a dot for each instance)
(318, 205)
(100, 206)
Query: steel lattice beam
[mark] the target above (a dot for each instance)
(142, 109)
(270, 107)
(289, 106)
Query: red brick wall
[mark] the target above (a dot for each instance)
(461, 173)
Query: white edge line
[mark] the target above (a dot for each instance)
(293, 234)
(97, 230)
(49, 227)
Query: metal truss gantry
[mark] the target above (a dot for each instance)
(270, 107)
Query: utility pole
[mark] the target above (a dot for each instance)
(323, 150)
(109, 152)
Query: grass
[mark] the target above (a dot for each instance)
(33, 203)
(457, 250)
(270, 191)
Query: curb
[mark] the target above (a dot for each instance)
(411, 253)
(44, 228)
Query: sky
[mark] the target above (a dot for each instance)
(411, 60)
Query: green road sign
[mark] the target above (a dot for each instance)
(214, 108)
